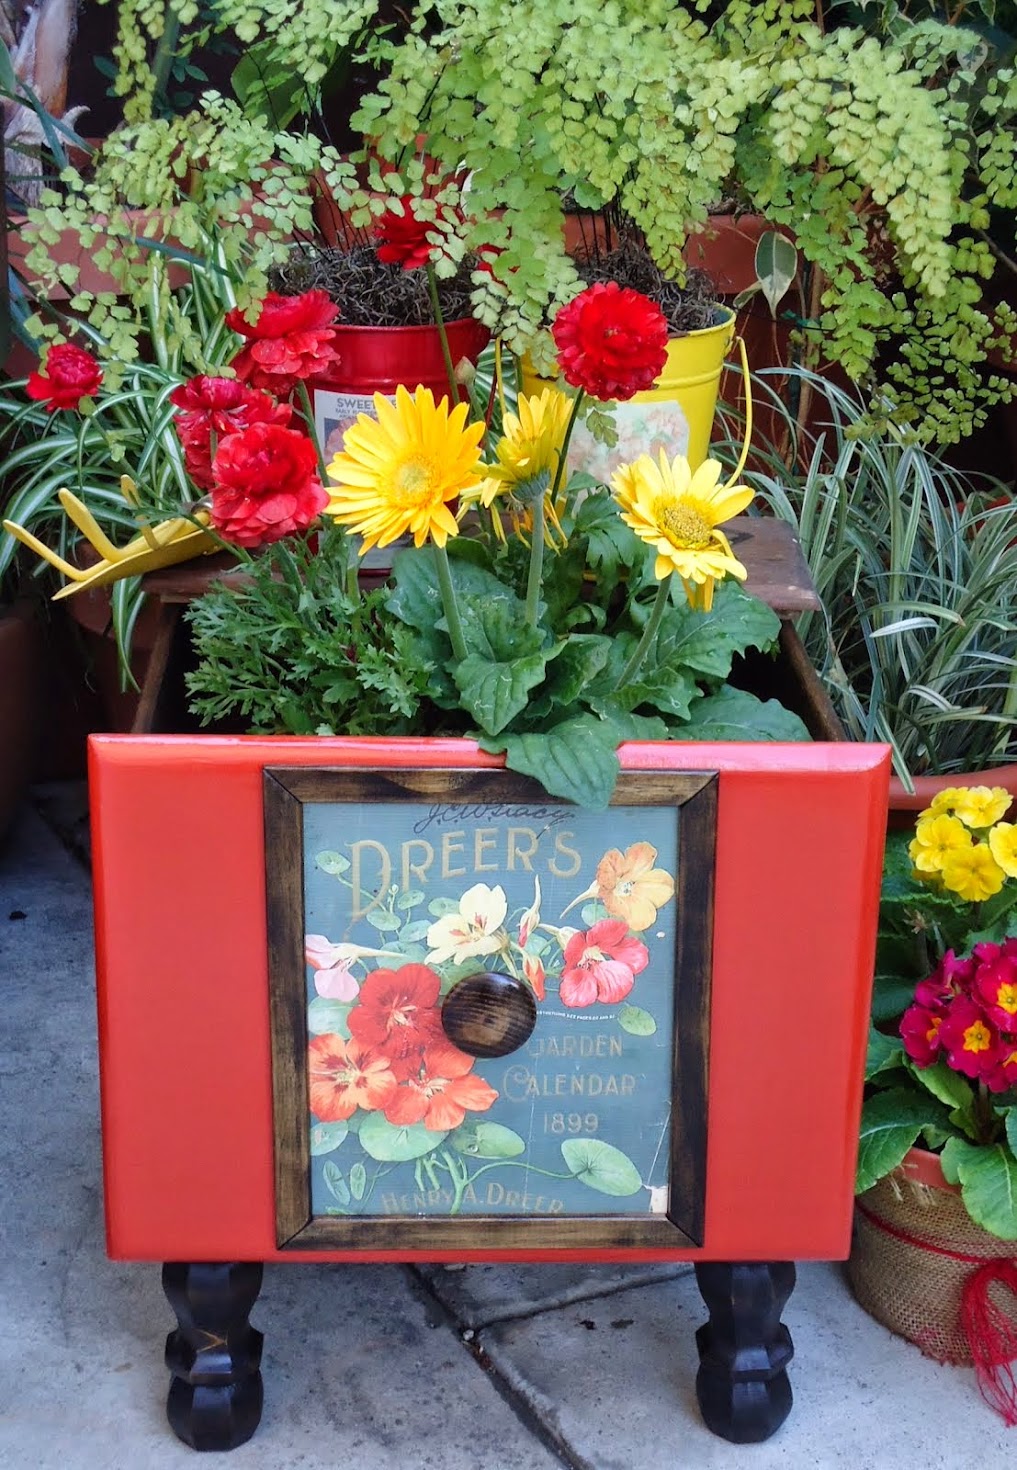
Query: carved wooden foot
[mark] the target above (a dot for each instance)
(215, 1394)
(744, 1349)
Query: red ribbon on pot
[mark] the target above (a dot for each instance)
(991, 1335)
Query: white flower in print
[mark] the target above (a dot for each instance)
(332, 964)
(473, 930)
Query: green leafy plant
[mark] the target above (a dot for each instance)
(942, 1058)
(286, 647)
(916, 565)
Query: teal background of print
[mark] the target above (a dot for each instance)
(581, 1078)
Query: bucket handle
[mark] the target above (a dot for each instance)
(747, 380)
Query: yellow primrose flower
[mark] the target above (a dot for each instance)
(397, 471)
(1003, 846)
(972, 873)
(935, 839)
(678, 513)
(977, 806)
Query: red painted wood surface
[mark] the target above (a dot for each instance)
(183, 1007)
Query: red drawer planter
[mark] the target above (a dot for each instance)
(380, 1000)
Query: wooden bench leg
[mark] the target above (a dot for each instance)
(215, 1394)
(742, 1386)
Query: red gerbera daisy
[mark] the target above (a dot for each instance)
(611, 341)
(344, 1076)
(440, 1091)
(397, 1013)
(290, 340)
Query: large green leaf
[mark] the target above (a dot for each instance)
(883, 1053)
(494, 693)
(891, 1121)
(415, 598)
(891, 997)
(988, 1180)
(601, 1166)
(707, 642)
(390, 1144)
(731, 714)
(581, 659)
(576, 760)
(776, 267)
(946, 1084)
(1011, 1130)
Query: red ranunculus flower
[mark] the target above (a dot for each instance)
(403, 237)
(265, 485)
(440, 1090)
(950, 978)
(397, 1013)
(969, 1040)
(292, 339)
(611, 340)
(344, 1076)
(996, 987)
(69, 375)
(601, 964)
(920, 1031)
(217, 407)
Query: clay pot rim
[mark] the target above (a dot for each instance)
(922, 1166)
(926, 787)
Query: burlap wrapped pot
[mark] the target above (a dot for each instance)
(914, 1248)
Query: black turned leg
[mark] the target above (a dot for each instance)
(215, 1393)
(744, 1349)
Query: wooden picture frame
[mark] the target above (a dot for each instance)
(692, 795)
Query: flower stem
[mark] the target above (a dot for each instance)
(308, 412)
(448, 602)
(630, 670)
(439, 321)
(535, 577)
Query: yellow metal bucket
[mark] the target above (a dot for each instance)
(675, 415)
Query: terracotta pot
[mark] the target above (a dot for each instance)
(915, 1249)
(19, 706)
(92, 612)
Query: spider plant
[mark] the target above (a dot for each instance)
(128, 432)
(916, 564)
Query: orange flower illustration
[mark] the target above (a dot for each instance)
(344, 1076)
(629, 886)
(439, 1095)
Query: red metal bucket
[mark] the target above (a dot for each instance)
(379, 359)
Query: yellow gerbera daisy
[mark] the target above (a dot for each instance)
(977, 806)
(527, 460)
(972, 873)
(678, 512)
(397, 471)
(936, 839)
(1003, 846)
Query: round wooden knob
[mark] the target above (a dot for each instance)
(489, 1015)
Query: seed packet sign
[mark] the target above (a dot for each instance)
(488, 1008)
